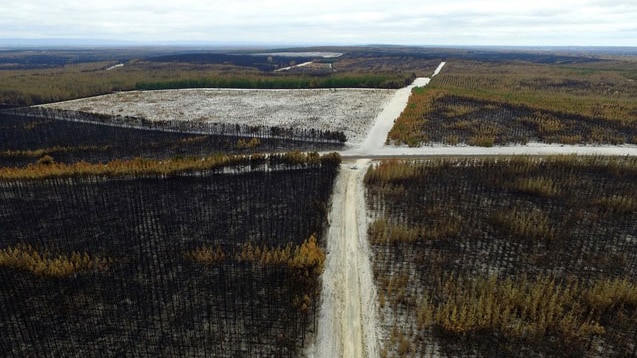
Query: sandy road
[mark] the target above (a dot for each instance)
(358, 325)
(375, 140)
(347, 320)
(351, 325)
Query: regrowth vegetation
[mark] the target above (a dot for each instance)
(308, 256)
(48, 168)
(304, 263)
(506, 256)
(497, 103)
(222, 254)
(45, 263)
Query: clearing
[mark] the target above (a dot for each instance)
(351, 111)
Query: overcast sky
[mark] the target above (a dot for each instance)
(415, 22)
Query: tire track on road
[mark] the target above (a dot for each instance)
(347, 319)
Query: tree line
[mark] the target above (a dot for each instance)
(29, 134)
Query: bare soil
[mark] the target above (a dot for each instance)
(352, 111)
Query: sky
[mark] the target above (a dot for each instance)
(327, 22)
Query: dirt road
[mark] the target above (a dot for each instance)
(375, 140)
(347, 326)
(347, 319)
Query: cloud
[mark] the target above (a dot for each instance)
(496, 22)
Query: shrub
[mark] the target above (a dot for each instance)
(46, 160)
(45, 263)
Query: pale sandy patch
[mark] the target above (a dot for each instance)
(352, 111)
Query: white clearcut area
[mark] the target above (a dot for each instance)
(352, 111)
